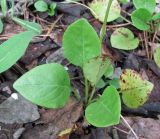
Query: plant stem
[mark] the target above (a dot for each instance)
(86, 90)
(92, 94)
(103, 29)
(76, 93)
(126, 19)
(12, 10)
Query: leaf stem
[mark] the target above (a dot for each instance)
(92, 94)
(86, 90)
(125, 19)
(12, 9)
(103, 29)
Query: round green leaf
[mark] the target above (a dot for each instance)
(157, 56)
(41, 6)
(46, 85)
(99, 7)
(81, 43)
(106, 110)
(135, 90)
(147, 4)
(95, 68)
(123, 38)
(140, 19)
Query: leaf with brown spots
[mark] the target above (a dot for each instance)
(135, 90)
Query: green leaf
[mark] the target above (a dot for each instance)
(147, 4)
(1, 26)
(109, 71)
(12, 49)
(156, 16)
(51, 11)
(47, 85)
(31, 26)
(140, 19)
(81, 43)
(41, 6)
(95, 68)
(100, 84)
(99, 7)
(106, 110)
(115, 82)
(157, 56)
(135, 90)
(123, 38)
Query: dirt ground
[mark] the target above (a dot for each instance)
(20, 119)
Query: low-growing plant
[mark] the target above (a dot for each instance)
(49, 85)
(42, 6)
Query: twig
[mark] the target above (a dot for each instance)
(75, 2)
(119, 25)
(124, 120)
(121, 130)
(146, 43)
(53, 25)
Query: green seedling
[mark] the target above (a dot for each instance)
(79, 48)
(42, 6)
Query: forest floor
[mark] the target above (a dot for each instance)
(23, 120)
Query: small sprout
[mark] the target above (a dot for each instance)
(42, 6)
